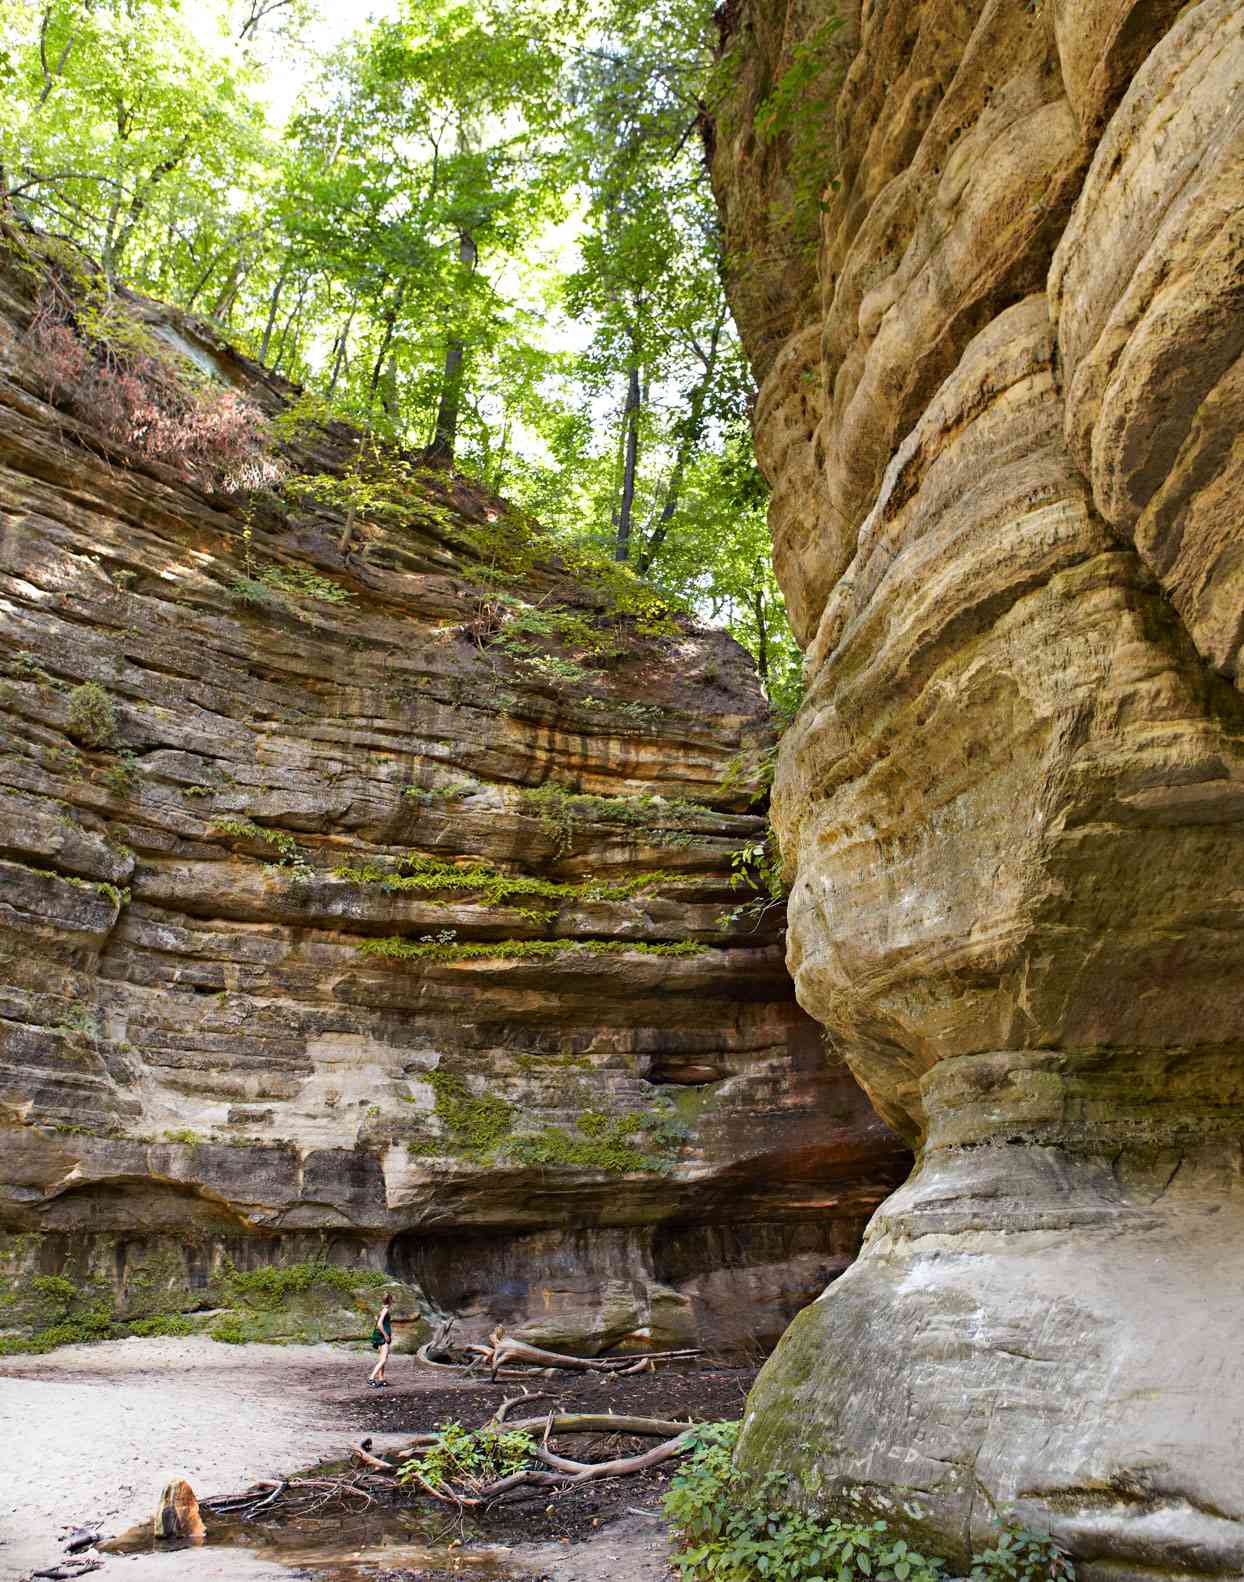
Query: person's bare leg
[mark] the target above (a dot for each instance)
(377, 1373)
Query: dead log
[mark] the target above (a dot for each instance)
(620, 1467)
(511, 1401)
(177, 1515)
(504, 1349)
(368, 1460)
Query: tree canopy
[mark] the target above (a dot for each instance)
(483, 230)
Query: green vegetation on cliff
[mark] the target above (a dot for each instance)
(446, 947)
(484, 232)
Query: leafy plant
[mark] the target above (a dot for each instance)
(1020, 1555)
(278, 587)
(289, 852)
(476, 1124)
(121, 774)
(92, 716)
(731, 1528)
(464, 1458)
(798, 108)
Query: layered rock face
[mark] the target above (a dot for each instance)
(1004, 435)
(362, 881)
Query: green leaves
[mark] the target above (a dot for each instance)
(733, 1529)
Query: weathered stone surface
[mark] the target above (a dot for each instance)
(1012, 805)
(195, 1049)
(1145, 292)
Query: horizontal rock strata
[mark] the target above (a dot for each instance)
(363, 894)
(1003, 432)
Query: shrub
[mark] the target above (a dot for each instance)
(98, 362)
(732, 1529)
(160, 1324)
(468, 1458)
(270, 1288)
(92, 717)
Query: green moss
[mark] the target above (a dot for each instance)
(273, 1287)
(92, 717)
(111, 892)
(476, 1126)
(567, 1061)
(430, 795)
(431, 949)
(78, 1021)
(490, 886)
(600, 1142)
(661, 820)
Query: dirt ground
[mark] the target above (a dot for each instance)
(90, 1434)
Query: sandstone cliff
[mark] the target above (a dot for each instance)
(362, 875)
(1000, 409)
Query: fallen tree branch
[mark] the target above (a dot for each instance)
(499, 1416)
(620, 1467)
(368, 1460)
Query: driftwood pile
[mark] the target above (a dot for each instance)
(506, 1358)
(380, 1478)
(557, 1472)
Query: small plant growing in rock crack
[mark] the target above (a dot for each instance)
(79, 1021)
(92, 716)
(120, 775)
(758, 866)
(28, 668)
(277, 588)
(289, 853)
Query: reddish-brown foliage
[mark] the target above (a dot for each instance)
(139, 398)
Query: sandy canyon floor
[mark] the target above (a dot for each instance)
(90, 1434)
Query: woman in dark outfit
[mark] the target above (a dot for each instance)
(382, 1339)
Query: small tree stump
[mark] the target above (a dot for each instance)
(177, 1515)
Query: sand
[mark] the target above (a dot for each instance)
(89, 1435)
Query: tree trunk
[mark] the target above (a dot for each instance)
(273, 306)
(692, 429)
(390, 326)
(762, 630)
(630, 464)
(339, 350)
(445, 435)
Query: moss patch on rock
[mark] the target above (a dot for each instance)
(430, 948)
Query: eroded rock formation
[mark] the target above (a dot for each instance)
(1002, 420)
(367, 905)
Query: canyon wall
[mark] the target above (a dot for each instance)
(364, 880)
(1001, 392)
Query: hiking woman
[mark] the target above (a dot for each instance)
(382, 1339)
